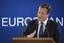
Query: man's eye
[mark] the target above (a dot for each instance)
(42, 13)
(39, 12)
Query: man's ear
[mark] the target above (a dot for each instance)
(48, 14)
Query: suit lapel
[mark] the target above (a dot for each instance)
(46, 27)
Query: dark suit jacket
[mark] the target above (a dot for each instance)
(53, 30)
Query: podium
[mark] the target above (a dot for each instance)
(32, 40)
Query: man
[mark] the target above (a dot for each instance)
(43, 27)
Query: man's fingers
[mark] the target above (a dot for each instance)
(32, 34)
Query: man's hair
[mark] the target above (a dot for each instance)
(47, 6)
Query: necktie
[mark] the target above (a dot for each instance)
(41, 30)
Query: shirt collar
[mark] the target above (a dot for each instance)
(45, 22)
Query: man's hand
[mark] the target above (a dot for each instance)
(31, 35)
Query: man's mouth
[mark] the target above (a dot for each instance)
(39, 17)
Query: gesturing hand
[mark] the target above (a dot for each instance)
(32, 34)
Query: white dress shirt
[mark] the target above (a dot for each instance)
(39, 24)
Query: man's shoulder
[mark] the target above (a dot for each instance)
(33, 21)
(53, 22)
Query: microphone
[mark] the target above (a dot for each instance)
(47, 30)
(19, 32)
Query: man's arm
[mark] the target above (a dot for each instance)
(26, 32)
(58, 35)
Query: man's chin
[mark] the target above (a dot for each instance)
(40, 20)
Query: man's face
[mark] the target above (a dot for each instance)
(42, 14)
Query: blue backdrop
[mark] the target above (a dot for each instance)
(25, 10)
